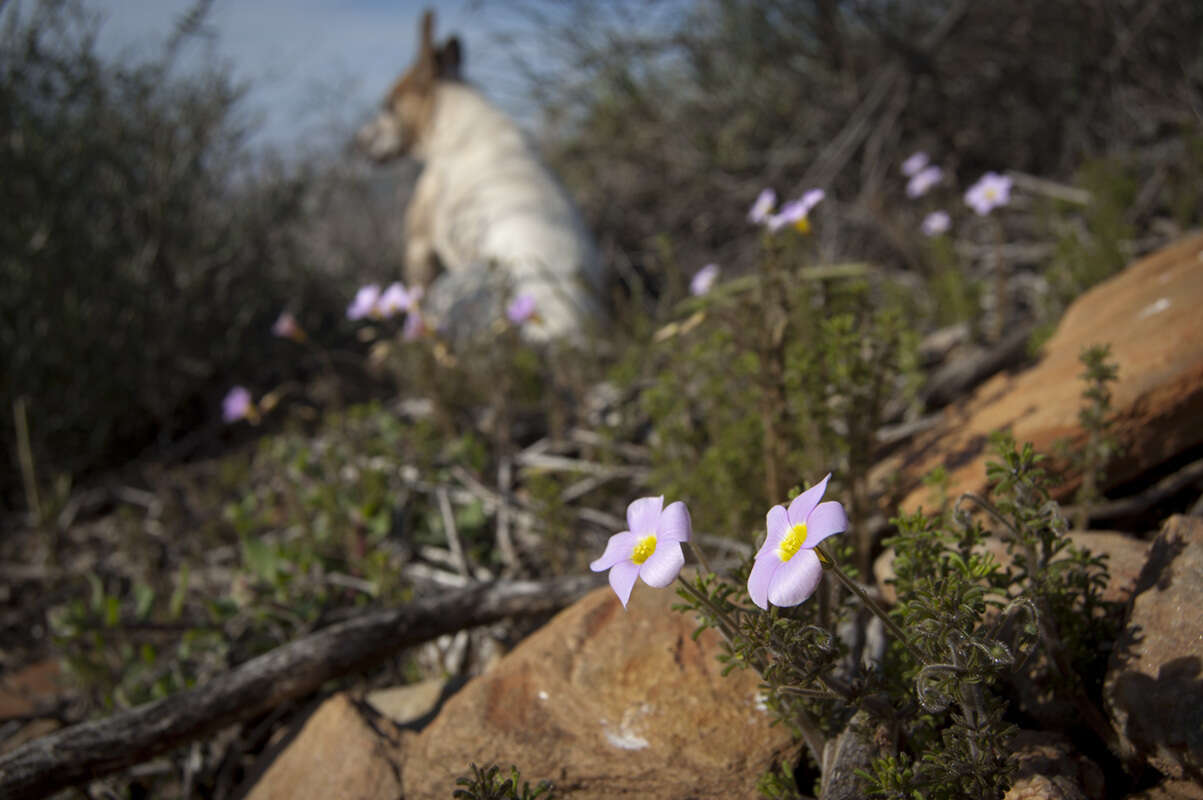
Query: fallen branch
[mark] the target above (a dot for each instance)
(1167, 487)
(94, 749)
(957, 377)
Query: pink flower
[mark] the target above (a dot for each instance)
(286, 327)
(796, 212)
(392, 301)
(521, 309)
(237, 405)
(916, 162)
(703, 280)
(364, 304)
(923, 180)
(650, 549)
(787, 570)
(936, 223)
(766, 201)
(991, 191)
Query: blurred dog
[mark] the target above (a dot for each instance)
(485, 205)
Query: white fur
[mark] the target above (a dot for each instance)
(485, 197)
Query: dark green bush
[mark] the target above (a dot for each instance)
(142, 258)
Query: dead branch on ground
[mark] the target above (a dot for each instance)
(94, 749)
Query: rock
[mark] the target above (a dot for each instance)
(1048, 770)
(1171, 790)
(606, 703)
(338, 753)
(863, 741)
(1125, 557)
(1149, 316)
(410, 705)
(33, 689)
(1154, 686)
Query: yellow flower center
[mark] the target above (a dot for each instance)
(792, 542)
(644, 548)
(803, 225)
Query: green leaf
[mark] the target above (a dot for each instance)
(144, 600)
(176, 606)
(112, 610)
(260, 558)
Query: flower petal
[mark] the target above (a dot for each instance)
(675, 524)
(826, 520)
(644, 514)
(622, 579)
(777, 523)
(619, 548)
(662, 566)
(805, 503)
(796, 579)
(761, 578)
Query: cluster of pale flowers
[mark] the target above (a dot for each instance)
(370, 302)
(795, 212)
(990, 192)
(373, 303)
(786, 569)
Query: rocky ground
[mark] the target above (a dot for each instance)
(608, 703)
(613, 704)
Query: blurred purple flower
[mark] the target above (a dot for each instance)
(364, 304)
(650, 549)
(912, 165)
(923, 180)
(521, 309)
(703, 280)
(991, 191)
(392, 301)
(786, 570)
(765, 202)
(237, 405)
(286, 327)
(797, 212)
(936, 223)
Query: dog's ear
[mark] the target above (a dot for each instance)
(426, 31)
(425, 70)
(450, 60)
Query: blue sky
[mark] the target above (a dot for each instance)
(318, 67)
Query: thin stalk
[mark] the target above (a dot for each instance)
(726, 625)
(1000, 284)
(25, 457)
(829, 564)
(697, 552)
(817, 694)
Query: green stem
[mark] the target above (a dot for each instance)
(817, 694)
(726, 625)
(829, 564)
(697, 552)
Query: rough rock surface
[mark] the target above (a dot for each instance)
(1048, 770)
(411, 705)
(1171, 790)
(1125, 557)
(30, 690)
(1149, 315)
(1154, 686)
(606, 703)
(339, 752)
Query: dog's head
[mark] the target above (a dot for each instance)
(409, 106)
